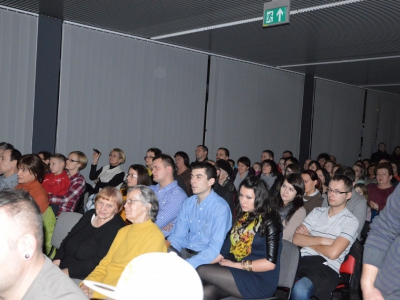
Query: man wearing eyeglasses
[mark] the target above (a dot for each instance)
(326, 236)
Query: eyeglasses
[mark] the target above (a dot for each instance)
(113, 155)
(130, 201)
(132, 175)
(335, 192)
(146, 157)
(71, 160)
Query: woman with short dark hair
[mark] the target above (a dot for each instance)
(249, 262)
(243, 170)
(183, 170)
(312, 190)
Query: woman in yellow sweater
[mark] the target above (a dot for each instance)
(143, 236)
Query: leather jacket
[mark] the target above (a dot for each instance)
(273, 234)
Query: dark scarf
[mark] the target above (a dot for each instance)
(284, 211)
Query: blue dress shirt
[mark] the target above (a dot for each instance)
(202, 227)
(170, 199)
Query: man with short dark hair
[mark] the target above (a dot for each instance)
(201, 154)
(380, 154)
(203, 221)
(357, 204)
(323, 158)
(26, 273)
(287, 154)
(9, 168)
(267, 154)
(170, 195)
(326, 236)
(222, 153)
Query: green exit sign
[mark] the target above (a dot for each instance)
(276, 13)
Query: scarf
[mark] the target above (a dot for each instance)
(283, 211)
(238, 180)
(108, 173)
(269, 180)
(242, 241)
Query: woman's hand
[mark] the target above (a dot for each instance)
(56, 262)
(229, 263)
(96, 157)
(374, 205)
(87, 291)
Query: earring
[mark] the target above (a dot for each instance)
(26, 256)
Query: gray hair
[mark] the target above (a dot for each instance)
(24, 211)
(147, 197)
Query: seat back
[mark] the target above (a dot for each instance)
(65, 222)
(348, 265)
(289, 261)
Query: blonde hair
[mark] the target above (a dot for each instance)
(112, 194)
(81, 158)
(121, 154)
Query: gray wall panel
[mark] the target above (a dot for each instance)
(117, 91)
(387, 115)
(371, 124)
(18, 36)
(253, 108)
(338, 112)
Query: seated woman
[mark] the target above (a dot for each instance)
(312, 187)
(314, 165)
(248, 266)
(292, 168)
(90, 239)
(142, 236)
(270, 175)
(370, 176)
(183, 170)
(108, 175)
(360, 172)
(243, 170)
(31, 172)
(137, 175)
(290, 203)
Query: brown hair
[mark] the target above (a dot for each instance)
(34, 164)
(112, 194)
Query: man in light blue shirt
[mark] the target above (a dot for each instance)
(203, 221)
(170, 195)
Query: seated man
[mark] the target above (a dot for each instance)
(357, 204)
(380, 275)
(326, 236)
(9, 168)
(170, 195)
(26, 272)
(203, 221)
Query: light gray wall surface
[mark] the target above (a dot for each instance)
(18, 38)
(370, 124)
(117, 91)
(337, 125)
(253, 108)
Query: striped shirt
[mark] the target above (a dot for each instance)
(343, 224)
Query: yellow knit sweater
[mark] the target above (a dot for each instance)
(130, 242)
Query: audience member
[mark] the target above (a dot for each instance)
(323, 158)
(27, 273)
(183, 170)
(307, 161)
(9, 168)
(57, 182)
(312, 187)
(366, 163)
(170, 195)
(379, 192)
(292, 168)
(282, 165)
(267, 154)
(396, 153)
(244, 171)
(257, 168)
(370, 176)
(31, 172)
(380, 154)
(325, 236)
(225, 172)
(287, 153)
(222, 153)
(4, 146)
(314, 165)
(201, 154)
(359, 172)
(142, 236)
(108, 175)
(232, 163)
(224, 192)
(381, 261)
(332, 158)
(249, 262)
(148, 159)
(45, 157)
(396, 168)
(270, 175)
(324, 176)
(291, 160)
(329, 167)
(290, 203)
(203, 221)
(76, 161)
(90, 239)
(357, 205)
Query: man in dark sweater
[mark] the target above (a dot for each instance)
(380, 154)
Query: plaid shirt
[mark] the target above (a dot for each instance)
(68, 201)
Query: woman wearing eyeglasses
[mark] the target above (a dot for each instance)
(137, 175)
(90, 239)
(108, 175)
(142, 236)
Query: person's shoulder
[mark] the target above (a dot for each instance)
(117, 221)
(176, 190)
(301, 211)
(348, 215)
(218, 202)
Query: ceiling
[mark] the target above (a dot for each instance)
(351, 41)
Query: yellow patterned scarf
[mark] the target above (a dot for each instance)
(241, 241)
